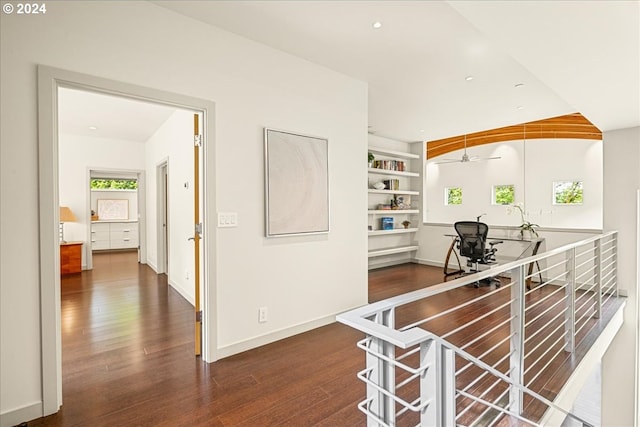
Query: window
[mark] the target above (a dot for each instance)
(567, 193)
(453, 196)
(503, 194)
(113, 184)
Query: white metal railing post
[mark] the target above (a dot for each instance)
(597, 289)
(437, 385)
(614, 238)
(382, 373)
(570, 302)
(516, 343)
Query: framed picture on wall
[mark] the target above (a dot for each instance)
(113, 209)
(296, 184)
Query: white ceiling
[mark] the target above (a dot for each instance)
(572, 56)
(113, 116)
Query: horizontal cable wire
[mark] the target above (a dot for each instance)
(491, 387)
(558, 264)
(588, 261)
(498, 408)
(530, 352)
(543, 329)
(543, 299)
(477, 319)
(498, 344)
(490, 331)
(451, 310)
(548, 363)
(551, 307)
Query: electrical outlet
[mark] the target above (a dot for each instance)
(262, 314)
(186, 275)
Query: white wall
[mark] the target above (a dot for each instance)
(77, 154)
(173, 142)
(621, 183)
(303, 281)
(531, 166)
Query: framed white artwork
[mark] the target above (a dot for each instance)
(296, 184)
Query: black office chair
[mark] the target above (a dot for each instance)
(472, 244)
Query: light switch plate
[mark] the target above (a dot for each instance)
(227, 219)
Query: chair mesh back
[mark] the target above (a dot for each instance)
(473, 238)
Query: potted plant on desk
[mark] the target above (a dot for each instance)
(526, 227)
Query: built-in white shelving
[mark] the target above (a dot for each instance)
(392, 172)
(402, 189)
(394, 153)
(392, 192)
(393, 211)
(392, 251)
(394, 231)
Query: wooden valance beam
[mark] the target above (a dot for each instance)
(570, 126)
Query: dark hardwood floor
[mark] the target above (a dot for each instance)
(128, 358)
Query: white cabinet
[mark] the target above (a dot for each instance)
(397, 167)
(114, 235)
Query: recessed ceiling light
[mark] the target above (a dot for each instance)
(520, 107)
(468, 78)
(518, 85)
(377, 25)
(93, 128)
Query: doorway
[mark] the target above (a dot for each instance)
(50, 80)
(162, 224)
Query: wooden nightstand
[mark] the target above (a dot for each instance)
(70, 257)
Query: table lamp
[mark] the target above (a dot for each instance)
(65, 216)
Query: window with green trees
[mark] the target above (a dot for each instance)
(567, 193)
(503, 194)
(113, 184)
(453, 196)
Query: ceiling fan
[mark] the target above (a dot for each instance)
(466, 158)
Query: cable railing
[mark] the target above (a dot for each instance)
(488, 357)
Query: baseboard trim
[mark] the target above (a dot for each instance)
(152, 266)
(181, 291)
(429, 262)
(278, 335)
(20, 415)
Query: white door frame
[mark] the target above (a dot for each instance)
(49, 80)
(162, 222)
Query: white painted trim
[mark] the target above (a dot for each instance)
(22, 414)
(161, 218)
(153, 267)
(49, 80)
(248, 344)
(432, 263)
(374, 265)
(567, 395)
(183, 293)
(637, 358)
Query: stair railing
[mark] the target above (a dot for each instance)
(497, 365)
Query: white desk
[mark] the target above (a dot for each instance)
(531, 246)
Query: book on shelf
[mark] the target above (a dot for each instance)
(391, 184)
(391, 165)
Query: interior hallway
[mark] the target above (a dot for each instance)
(128, 359)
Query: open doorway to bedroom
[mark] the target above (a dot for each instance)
(67, 159)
